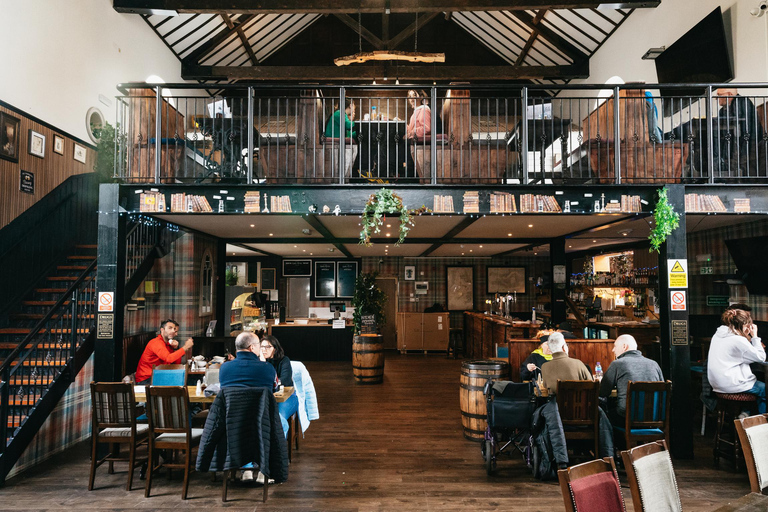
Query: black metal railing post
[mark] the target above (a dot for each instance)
(433, 138)
(616, 135)
(158, 130)
(710, 138)
(524, 130)
(4, 407)
(73, 334)
(342, 134)
(249, 179)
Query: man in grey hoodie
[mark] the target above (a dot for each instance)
(630, 365)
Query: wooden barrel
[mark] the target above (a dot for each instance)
(368, 358)
(474, 375)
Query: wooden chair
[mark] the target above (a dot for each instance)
(169, 375)
(591, 487)
(727, 443)
(753, 433)
(652, 478)
(577, 401)
(647, 417)
(169, 429)
(114, 423)
(294, 432)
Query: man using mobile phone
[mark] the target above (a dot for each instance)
(161, 350)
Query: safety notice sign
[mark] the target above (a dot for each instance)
(106, 301)
(677, 300)
(678, 273)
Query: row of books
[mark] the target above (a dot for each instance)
(472, 202)
(631, 203)
(152, 202)
(280, 204)
(503, 202)
(252, 202)
(443, 204)
(538, 203)
(189, 203)
(704, 203)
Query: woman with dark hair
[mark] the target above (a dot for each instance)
(272, 352)
(734, 346)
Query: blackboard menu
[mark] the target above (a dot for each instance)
(345, 282)
(368, 324)
(297, 268)
(325, 279)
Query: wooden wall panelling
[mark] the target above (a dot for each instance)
(142, 128)
(49, 172)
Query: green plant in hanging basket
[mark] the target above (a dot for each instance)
(666, 220)
(374, 214)
(368, 299)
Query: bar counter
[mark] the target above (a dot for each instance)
(482, 333)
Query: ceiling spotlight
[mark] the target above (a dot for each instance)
(295, 246)
(389, 234)
(306, 231)
(652, 53)
(470, 250)
(594, 241)
(625, 232)
(481, 246)
(253, 225)
(303, 250)
(389, 225)
(509, 234)
(530, 225)
(331, 249)
(271, 234)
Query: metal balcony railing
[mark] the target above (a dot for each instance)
(458, 134)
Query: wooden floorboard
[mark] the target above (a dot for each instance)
(397, 446)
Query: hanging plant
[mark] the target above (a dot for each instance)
(666, 220)
(374, 214)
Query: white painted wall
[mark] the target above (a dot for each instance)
(61, 55)
(663, 25)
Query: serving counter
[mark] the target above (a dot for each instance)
(482, 333)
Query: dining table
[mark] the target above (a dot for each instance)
(141, 396)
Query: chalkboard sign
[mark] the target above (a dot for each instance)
(368, 324)
(297, 268)
(345, 282)
(325, 279)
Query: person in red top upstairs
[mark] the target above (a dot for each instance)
(161, 350)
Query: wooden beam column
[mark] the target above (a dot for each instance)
(675, 349)
(110, 277)
(557, 286)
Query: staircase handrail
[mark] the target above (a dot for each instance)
(35, 330)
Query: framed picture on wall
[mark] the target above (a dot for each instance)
(36, 144)
(459, 288)
(58, 144)
(410, 272)
(506, 279)
(9, 137)
(268, 279)
(79, 153)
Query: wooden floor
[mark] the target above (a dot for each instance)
(396, 446)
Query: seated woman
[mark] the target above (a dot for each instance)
(272, 352)
(531, 367)
(420, 125)
(333, 131)
(734, 346)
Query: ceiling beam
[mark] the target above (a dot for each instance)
(359, 29)
(518, 249)
(458, 228)
(210, 45)
(531, 38)
(364, 6)
(253, 249)
(243, 39)
(369, 72)
(316, 223)
(408, 31)
(608, 224)
(560, 42)
(380, 240)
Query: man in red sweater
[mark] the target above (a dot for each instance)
(161, 350)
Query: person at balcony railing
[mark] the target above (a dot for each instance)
(739, 130)
(653, 118)
(333, 126)
(420, 125)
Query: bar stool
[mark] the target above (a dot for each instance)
(455, 341)
(729, 406)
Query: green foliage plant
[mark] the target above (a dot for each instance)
(231, 277)
(368, 299)
(666, 220)
(105, 152)
(374, 214)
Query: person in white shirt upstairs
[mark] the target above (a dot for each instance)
(734, 346)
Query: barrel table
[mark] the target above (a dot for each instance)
(474, 375)
(368, 358)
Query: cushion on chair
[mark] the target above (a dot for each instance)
(642, 431)
(758, 440)
(657, 483)
(597, 493)
(179, 438)
(124, 432)
(737, 397)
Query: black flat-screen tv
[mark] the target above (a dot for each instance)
(699, 56)
(747, 254)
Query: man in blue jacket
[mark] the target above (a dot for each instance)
(247, 371)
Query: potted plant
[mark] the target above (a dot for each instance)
(368, 348)
(231, 277)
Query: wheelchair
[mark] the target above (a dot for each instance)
(510, 407)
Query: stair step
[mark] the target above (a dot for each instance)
(37, 364)
(87, 246)
(51, 302)
(25, 381)
(67, 278)
(71, 267)
(81, 257)
(27, 401)
(39, 316)
(44, 346)
(68, 331)
(59, 290)
(16, 330)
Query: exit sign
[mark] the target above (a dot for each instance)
(705, 270)
(718, 300)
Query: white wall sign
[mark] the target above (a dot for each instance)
(106, 301)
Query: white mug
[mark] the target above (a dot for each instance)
(367, 117)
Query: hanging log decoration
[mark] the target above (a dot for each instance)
(389, 55)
